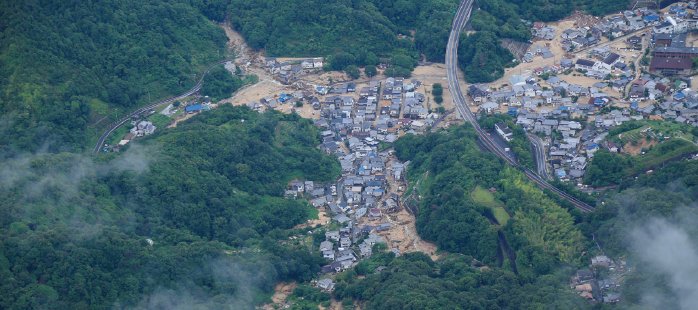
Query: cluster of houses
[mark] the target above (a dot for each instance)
(554, 110)
(542, 31)
(586, 284)
(288, 72)
(290, 99)
(360, 201)
(605, 64)
(614, 27)
(375, 117)
(537, 51)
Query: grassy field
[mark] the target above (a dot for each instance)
(159, 120)
(485, 198)
(118, 134)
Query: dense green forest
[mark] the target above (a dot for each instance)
(482, 57)
(74, 228)
(219, 83)
(67, 64)
(347, 33)
(448, 167)
(414, 281)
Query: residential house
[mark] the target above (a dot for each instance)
(307, 64)
(584, 275)
(325, 284)
(583, 64)
(504, 131)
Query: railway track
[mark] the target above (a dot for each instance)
(459, 21)
(190, 92)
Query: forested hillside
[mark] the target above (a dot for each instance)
(414, 281)
(364, 29)
(651, 222)
(448, 167)
(74, 228)
(66, 64)
(482, 57)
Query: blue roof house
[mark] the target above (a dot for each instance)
(193, 108)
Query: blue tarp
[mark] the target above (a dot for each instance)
(192, 108)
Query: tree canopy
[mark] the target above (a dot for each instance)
(68, 64)
(220, 83)
(414, 281)
(482, 57)
(448, 167)
(76, 230)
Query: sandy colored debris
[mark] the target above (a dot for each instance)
(281, 292)
(581, 20)
(322, 219)
(403, 234)
(526, 69)
(429, 75)
(636, 149)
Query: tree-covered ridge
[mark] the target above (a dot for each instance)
(414, 281)
(448, 167)
(322, 28)
(538, 222)
(74, 230)
(482, 57)
(650, 222)
(67, 64)
(219, 84)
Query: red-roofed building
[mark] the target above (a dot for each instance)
(671, 66)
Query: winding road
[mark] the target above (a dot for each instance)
(459, 21)
(118, 124)
(538, 148)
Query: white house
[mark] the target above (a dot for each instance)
(307, 64)
(325, 284)
(317, 62)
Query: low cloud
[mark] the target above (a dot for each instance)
(237, 285)
(668, 249)
(66, 171)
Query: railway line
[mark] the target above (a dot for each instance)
(190, 92)
(459, 21)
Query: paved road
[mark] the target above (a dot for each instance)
(459, 21)
(539, 153)
(118, 124)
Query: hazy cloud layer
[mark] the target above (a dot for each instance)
(189, 296)
(669, 249)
